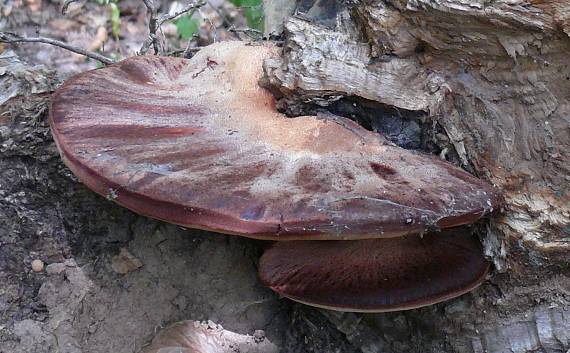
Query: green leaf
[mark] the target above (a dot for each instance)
(254, 17)
(115, 19)
(186, 26)
(253, 12)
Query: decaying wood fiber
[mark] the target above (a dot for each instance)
(496, 77)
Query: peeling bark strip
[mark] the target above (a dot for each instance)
(495, 75)
(506, 65)
(468, 327)
(320, 63)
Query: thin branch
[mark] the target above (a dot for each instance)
(226, 21)
(66, 4)
(250, 32)
(152, 28)
(211, 24)
(149, 4)
(155, 22)
(8, 37)
(187, 51)
(187, 8)
(244, 7)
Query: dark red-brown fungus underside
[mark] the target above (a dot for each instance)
(375, 275)
(198, 143)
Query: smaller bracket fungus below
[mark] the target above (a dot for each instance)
(196, 337)
(200, 144)
(375, 275)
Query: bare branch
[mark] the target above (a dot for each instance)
(8, 37)
(155, 21)
(211, 24)
(226, 21)
(149, 4)
(152, 28)
(250, 32)
(187, 53)
(66, 4)
(187, 8)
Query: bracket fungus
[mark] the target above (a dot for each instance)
(200, 144)
(195, 337)
(375, 274)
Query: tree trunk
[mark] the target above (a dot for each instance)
(494, 78)
(483, 83)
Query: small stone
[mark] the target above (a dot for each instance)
(259, 336)
(181, 302)
(125, 262)
(37, 265)
(55, 268)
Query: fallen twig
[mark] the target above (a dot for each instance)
(211, 24)
(250, 32)
(155, 21)
(152, 28)
(226, 21)
(187, 53)
(8, 37)
(66, 4)
(187, 8)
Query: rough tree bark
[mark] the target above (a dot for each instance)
(487, 82)
(494, 76)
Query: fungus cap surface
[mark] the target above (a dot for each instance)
(195, 337)
(198, 143)
(375, 275)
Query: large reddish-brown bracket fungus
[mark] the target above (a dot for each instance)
(199, 143)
